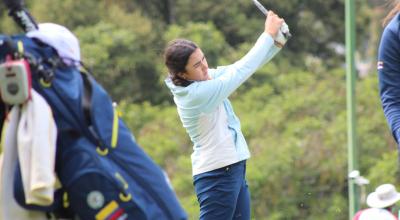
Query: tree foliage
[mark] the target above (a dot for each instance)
(293, 110)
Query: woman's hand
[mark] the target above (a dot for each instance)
(272, 24)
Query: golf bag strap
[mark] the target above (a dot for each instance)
(87, 96)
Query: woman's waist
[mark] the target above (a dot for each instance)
(205, 159)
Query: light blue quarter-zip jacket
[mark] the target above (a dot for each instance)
(207, 114)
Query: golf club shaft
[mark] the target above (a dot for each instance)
(261, 7)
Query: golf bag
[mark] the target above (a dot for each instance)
(103, 173)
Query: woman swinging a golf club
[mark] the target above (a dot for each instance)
(201, 96)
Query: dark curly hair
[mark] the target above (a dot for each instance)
(176, 56)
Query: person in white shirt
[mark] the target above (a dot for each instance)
(381, 203)
(201, 96)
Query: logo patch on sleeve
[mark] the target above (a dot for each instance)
(379, 65)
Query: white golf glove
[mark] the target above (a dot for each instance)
(280, 39)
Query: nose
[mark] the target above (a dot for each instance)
(204, 64)
(204, 68)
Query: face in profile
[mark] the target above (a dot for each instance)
(197, 67)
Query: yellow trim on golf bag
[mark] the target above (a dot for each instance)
(114, 137)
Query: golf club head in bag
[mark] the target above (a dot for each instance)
(20, 15)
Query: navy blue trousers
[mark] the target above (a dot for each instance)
(223, 193)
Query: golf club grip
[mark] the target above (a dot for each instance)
(21, 15)
(14, 4)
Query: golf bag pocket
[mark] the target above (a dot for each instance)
(94, 187)
(95, 195)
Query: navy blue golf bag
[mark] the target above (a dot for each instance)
(103, 172)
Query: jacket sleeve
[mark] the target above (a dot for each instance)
(210, 93)
(389, 78)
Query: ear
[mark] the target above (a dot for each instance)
(182, 75)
